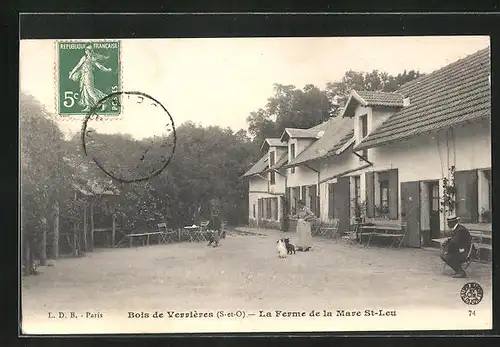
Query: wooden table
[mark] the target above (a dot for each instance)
(384, 231)
(161, 237)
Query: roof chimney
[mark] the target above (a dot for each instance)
(321, 133)
(406, 102)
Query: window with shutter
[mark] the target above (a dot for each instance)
(312, 198)
(384, 198)
(357, 189)
(318, 208)
(272, 158)
(393, 194)
(304, 193)
(292, 155)
(331, 210)
(370, 202)
(467, 196)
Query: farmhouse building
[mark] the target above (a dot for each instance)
(392, 156)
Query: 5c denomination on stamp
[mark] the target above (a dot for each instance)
(87, 72)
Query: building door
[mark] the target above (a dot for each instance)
(341, 203)
(410, 212)
(261, 211)
(434, 222)
(312, 199)
(284, 212)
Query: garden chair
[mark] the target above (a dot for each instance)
(472, 254)
(351, 236)
(166, 236)
(198, 235)
(331, 230)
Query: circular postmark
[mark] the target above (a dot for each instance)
(471, 293)
(136, 148)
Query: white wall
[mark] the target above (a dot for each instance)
(333, 166)
(279, 186)
(425, 207)
(303, 176)
(421, 158)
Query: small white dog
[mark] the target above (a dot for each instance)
(281, 249)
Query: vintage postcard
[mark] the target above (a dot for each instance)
(228, 185)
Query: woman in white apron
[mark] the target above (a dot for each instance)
(305, 217)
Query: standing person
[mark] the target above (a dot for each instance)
(305, 216)
(456, 248)
(215, 226)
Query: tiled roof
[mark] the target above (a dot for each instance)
(87, 182)
(272, 142)
(341, 143)
(275, 143)
(93, 187)
(311, 133)
(338, 131)
(381, 98)
(280, 163)
(258, 167)
(452, 95)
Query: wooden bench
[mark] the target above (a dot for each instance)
(396, 231)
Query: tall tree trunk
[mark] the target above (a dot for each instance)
(55, 238)
(75, 233)
(26, 256)
(43, 243)
(85, 227)
(92, 227)
(43, 246)
(113, 231)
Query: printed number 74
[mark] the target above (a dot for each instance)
(472, 313)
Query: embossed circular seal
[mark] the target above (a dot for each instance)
(471, 293)
(146, 156)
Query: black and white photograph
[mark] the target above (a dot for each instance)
(255, 184)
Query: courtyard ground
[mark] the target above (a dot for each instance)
(245, 274)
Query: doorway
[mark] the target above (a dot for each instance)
(410, 212)
(434, 221)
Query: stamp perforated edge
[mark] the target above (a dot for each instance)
(80, 117)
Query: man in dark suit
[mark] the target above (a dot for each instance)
(215, 226)
(456, 248)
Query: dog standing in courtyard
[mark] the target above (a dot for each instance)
(290, 248)
(282, 252)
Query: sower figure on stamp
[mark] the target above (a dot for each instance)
(84, 74)
(305, 216)
(455, 249)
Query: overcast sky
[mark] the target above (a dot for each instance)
(220, 81)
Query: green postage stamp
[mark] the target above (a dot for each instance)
(87, 72)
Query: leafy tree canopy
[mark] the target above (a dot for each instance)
(291, 107)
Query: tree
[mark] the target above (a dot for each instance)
(289, 107)
(338, 92)
(43, 176)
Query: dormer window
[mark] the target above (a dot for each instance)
(363, 120)
(272, 174)
(363, 130)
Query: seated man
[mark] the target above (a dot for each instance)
(456, 248)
